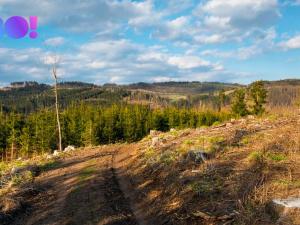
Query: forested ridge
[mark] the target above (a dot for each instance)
(27, 97)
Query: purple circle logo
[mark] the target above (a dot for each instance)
(16, 27)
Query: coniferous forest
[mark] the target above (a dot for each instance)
(84, 125)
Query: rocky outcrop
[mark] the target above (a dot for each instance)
(197, 156)
(285, 211)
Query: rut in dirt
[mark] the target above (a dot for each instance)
(83, 190)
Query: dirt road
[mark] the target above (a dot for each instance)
(82, 189)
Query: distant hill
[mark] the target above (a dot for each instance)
(186, 88)
(291, 82)
(29, 96)
(283, 93)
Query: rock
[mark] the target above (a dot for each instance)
(243, 121)
(228, 124)
(285, 209)
(250, 117)
(232, 120)
(288, 203)
(56, 153)
(34, 169)
(153, 132)
(49, 156)
(157, 141)
(19, 159)
(172, 130)
(197, 156)
(15, 170)
(69, 148)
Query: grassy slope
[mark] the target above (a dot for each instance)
(254, 161)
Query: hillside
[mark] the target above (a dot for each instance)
(30, 96)
(184, 88)
(245, 166)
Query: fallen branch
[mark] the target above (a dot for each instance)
(206, 216)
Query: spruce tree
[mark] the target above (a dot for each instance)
(258, 95)
(25, 141)
(239, 106)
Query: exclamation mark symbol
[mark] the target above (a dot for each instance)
(33, 26)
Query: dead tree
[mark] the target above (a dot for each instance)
(54, 73)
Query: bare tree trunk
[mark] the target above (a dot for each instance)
(54, 73)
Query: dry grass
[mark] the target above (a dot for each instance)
(255, 161)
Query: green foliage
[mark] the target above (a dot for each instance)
(217, 123)
(22, 178)
(258, 95)
(85, 125)
(256, 156)
(277, 157)
(245, 140)
(49, 165)
(288, 183)
(239, 106)
(260, 156)
(168, 157)
(86, 173)
(206, 186)
(149, 153)
(188, 142)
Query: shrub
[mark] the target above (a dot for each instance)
(276, 157)
(256, 156)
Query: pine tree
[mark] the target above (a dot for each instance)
(25, 141)
(239, 106)
(258, 95)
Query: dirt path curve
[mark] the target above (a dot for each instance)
(82, 189)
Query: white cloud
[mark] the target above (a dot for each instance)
(292, 43)
(217, 23)
(236, 20)
(242, 14)
(104, 61)
(265, 42)
(55, 41)
(115, 79)
(188, 62)
(77, 16)
(97, 65)
(210, 39)
(162, 79)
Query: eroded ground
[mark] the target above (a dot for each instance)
(83, 189)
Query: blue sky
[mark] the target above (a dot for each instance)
(125, 41)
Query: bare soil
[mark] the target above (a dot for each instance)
(83, 189)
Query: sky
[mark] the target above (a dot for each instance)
(123, 41)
